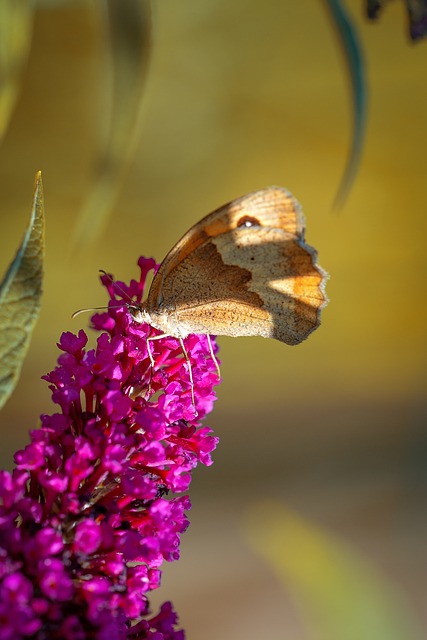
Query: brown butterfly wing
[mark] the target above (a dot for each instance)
(242, 270)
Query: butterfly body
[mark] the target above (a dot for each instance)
(243, 270)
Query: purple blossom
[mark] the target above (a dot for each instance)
(88, 515)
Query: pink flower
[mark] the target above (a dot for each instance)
(86, 519)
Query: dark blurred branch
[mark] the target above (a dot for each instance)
(417, 14)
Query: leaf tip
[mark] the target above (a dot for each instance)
(38, 183)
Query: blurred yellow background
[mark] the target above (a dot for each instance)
(240, 95)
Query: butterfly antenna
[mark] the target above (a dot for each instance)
(117, 287)
(77, 313)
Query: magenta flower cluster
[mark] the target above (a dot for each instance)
(94, 504)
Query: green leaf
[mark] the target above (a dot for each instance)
(341, 595)
(20, 294)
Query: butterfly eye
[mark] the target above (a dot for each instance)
(248, 221)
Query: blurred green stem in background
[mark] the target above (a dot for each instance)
(352, 50)
(339, 594)
(16, 22)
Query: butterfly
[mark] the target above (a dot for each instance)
(243, 270)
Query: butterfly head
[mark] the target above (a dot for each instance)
(139, 313)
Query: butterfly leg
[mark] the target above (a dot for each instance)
(215, 361)
(150, 355)
(185, 354)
